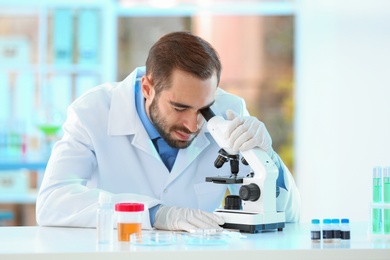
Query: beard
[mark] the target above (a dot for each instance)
(165, 130)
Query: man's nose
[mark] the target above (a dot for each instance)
(193, 122)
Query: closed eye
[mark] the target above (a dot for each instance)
(179, 109)
(182, 108)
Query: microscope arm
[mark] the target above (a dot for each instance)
(265, 170)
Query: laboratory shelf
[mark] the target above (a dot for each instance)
(28, 162)
(16, 165)
(75, 68)
(22, 198)
(69, 69)
(17, 176)
(215, 8)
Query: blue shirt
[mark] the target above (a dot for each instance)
(167, 153)
(164, 149)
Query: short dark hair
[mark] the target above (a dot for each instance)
(184, 51)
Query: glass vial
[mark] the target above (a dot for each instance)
(336, 229)
(327, 232)
(345, 230)
(315, 230)
(105, 219)
(386, 200)
(376, 220)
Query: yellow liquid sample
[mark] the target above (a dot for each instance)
(126, 229)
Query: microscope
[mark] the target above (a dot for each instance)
(254, 209)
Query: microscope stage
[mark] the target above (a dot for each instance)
(225, 180)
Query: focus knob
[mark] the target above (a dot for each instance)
(250, 192)
(232, 202)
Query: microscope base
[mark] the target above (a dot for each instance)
(254, 228)
(252, 222)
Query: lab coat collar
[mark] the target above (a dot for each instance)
(123, 117)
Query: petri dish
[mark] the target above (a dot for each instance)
(153, 239)
(206, 237)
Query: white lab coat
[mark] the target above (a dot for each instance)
(105, 147)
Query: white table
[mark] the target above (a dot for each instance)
(292, 243)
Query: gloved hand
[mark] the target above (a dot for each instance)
(176, 218)
(247, 132)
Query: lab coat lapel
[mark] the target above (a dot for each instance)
(123, 116)
(186, 156)
(142, 141)
(123, 112)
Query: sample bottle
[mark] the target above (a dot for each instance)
(376, 220)
(386, 200)
(129, 217)
(327, 232)
(345, 230)
(315, 230)
(336, 229)
(105, 219)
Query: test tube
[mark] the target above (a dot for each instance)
(105, 219)
(386, 199)
(377, 198)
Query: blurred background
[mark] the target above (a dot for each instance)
(315, 72)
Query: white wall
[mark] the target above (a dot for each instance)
(342, 121)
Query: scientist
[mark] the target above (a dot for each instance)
(144, 140)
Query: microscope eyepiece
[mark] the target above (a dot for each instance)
(207, 113)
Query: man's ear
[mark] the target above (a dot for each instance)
(147, 87)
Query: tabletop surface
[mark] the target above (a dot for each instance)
(293, 242)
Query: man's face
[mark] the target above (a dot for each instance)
(175, 112)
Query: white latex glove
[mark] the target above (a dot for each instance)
(176, 218)
(247, 132)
